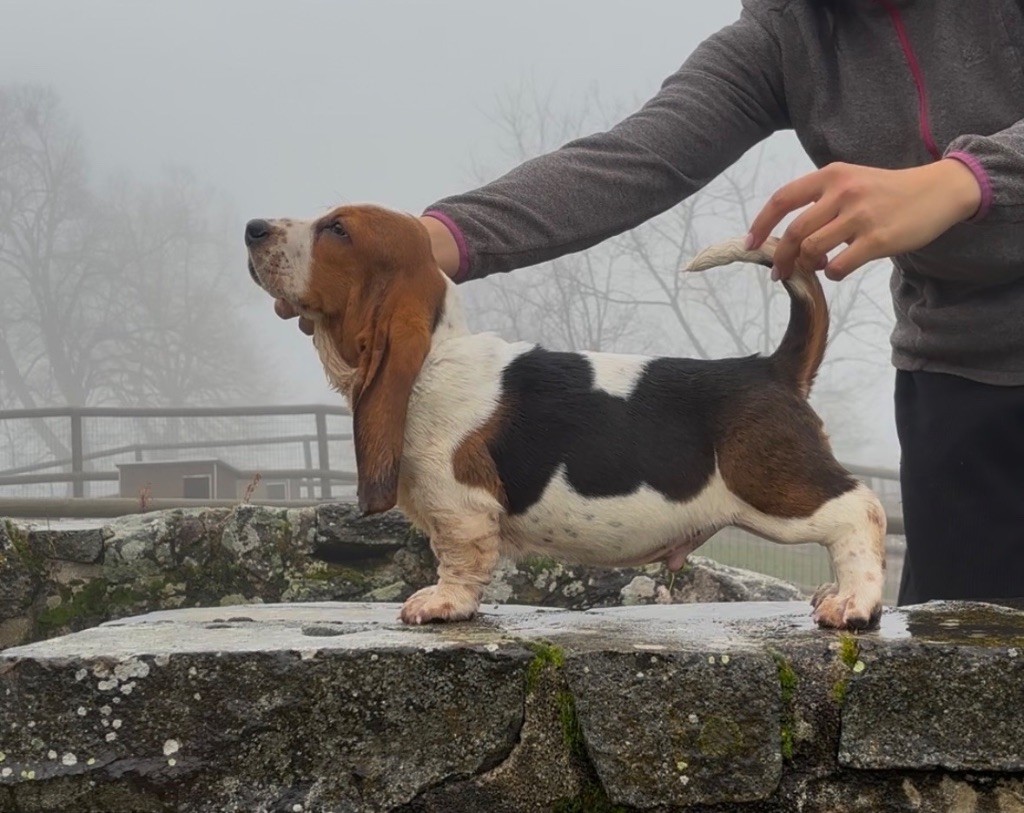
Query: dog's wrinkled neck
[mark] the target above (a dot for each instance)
(340, 375)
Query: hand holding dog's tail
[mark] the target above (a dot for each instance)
(799, 355)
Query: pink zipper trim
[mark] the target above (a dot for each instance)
(915, 69)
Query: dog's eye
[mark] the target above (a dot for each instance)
(338, 228)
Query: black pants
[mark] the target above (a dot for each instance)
(962, 475)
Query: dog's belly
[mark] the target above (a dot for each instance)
(632, 529)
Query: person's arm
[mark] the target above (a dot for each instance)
(442, 243)
(727, 97)
(881, 213)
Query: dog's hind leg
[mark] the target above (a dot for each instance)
(775, 459)
(856, 543)
(852, 528)
(467, 550)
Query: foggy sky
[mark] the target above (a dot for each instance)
(288, 108)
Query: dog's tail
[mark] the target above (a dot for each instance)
(799, 355)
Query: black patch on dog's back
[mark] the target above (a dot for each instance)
(662, 435)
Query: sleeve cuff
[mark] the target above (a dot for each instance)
(460, 240)
(974, 165)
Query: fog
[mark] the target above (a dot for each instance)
(285, 109)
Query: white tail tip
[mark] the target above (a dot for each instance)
(733, 251)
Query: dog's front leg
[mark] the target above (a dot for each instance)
(467, 553)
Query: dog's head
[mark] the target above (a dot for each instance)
(367, 278)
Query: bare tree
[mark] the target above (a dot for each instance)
(570, 303)
(120, 296)
(182, 338)
(55, 292)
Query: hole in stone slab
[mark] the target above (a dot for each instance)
(324, 631)
(331, 630)
(219, 626)
(240, 618)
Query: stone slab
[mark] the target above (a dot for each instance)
(338, 707)
(680, 728)
(81, 545)
(941, 687)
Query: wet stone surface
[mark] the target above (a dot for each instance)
(57, 581)
(338, 707)
(947, 690)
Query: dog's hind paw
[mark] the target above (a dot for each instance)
(834, 609)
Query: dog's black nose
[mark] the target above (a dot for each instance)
(256, 230)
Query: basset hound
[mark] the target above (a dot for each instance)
(495, 448)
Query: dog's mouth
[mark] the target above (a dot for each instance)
(269, 277)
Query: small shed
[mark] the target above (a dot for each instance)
(180, 479)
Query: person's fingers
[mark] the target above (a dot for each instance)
(875, 212)
(860, 252)
(806, 227)
(284, 309)
(789, 198)
(814, 250)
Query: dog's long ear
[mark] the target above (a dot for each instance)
(393, 348)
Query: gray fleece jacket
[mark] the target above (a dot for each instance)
(898, 83)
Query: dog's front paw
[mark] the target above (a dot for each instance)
(844, 610)
(441, 602)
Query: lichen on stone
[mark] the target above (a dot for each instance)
(720, 737)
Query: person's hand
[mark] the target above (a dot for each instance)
(284, 309)
(875, 212)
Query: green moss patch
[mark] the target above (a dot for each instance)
(849, 653)
(28, 557)
(88, 604)
(545, 656)
(788, 681)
